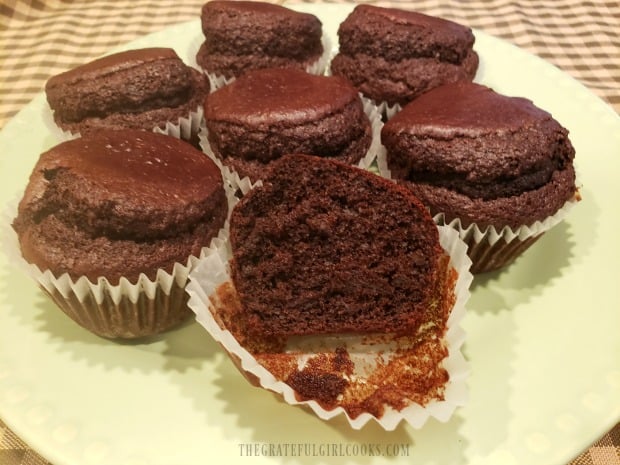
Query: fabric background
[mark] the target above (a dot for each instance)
(41, 38)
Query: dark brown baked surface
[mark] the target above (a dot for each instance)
(393, 55)
(324, 247)
(477, 155)
(411, 34)
(401, 82)
(139, 89)
(268, 113)
(242, 35)
(119, 203)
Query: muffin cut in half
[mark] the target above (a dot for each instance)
(323, 248)
(339, 292)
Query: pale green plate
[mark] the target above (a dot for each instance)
(542, 336)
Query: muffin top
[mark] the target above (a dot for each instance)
(240, 36)
(111, 64)
(215, 13)
(287, 95)
(140, 88)
(466, 109)
(395, 34)
(125, 182)
(250, 27)
(476, 141)
(119, 204)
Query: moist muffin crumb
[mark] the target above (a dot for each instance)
(323, 247)
(339, 292)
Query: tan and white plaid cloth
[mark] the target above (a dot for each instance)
(41, 38)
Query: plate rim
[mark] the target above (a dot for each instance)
(38, 100)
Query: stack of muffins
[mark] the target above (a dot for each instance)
(114, 220)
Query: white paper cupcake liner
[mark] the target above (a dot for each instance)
(376, 124)
(386, 109)
(59, 134)
(123, 310)
(320, 65)
(185, 127)
(491, 235)
(366, 162)
(491, 248)
(213, 272)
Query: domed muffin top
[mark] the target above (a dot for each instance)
(274, 95)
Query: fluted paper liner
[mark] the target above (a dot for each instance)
(386, 109)
(212, 274)
(184, 127)
(490, 249)
(123, 310)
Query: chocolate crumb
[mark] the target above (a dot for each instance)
(325, 388)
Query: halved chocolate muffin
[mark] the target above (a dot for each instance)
(323, 247)
(337, 290)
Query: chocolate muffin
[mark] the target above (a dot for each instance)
(120, 207)
(136, 89)
(249, 35)
(271, 112)
(324, 247)
(393, 55)
(481, 158)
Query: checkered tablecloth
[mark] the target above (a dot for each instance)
(41, 38)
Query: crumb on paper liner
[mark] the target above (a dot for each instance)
(364, 377)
